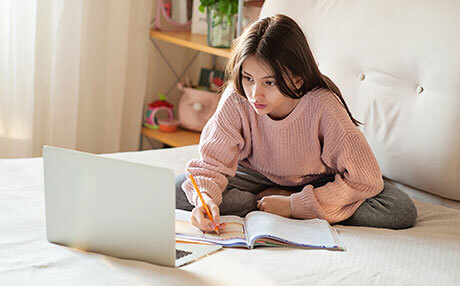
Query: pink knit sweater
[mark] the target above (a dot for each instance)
(317, 138)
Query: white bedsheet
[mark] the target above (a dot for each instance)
(426, 254)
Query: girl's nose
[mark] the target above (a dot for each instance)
(257, 93)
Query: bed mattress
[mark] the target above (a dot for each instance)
(427, 254)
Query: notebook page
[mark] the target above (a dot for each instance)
(310, 233)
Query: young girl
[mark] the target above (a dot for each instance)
(283, 140)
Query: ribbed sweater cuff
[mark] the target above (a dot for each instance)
(301, 205)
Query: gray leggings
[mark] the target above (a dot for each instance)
(390, 209)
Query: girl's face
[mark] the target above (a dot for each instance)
(262, 92)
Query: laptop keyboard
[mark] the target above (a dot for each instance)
(181, 253)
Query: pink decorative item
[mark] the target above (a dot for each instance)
(196, 107)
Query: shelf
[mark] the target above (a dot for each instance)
(179, 138)
(193, 41)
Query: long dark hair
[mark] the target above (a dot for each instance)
(281, 43)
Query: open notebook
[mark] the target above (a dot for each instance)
(262, 229)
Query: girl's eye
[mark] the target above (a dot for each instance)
(245, 77)
(270, 83)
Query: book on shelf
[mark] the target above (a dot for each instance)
(260, 228)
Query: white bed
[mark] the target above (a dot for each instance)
(426, 254)
(379, 53)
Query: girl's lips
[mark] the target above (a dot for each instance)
(259, 106)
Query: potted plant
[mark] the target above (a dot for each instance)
(221, 18)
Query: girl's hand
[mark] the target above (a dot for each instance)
(275, 204)
(201, 220)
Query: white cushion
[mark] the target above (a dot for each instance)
(397, 64)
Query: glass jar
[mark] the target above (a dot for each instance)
(221, 32)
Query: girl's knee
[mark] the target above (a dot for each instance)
(391, 209)
(406, 215)
(403, 208)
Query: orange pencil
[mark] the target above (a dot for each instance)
(202, 200)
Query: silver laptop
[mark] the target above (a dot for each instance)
(114, 207)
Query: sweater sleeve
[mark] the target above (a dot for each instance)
(220, 145)
(358, 175)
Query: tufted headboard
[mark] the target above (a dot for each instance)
(400, 75)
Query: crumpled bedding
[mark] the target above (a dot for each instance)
(427, 254)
